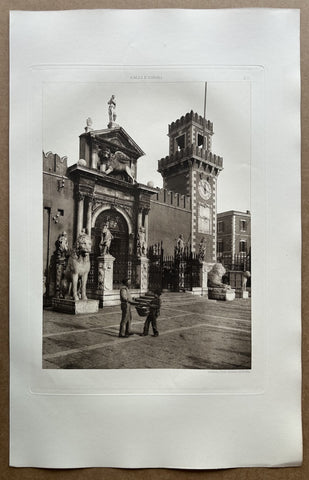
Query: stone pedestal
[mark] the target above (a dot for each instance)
(220, 293)
(104, 292)
(113, 125)
(205, 268)
(105, 272)
(181, 267)
(242, 293)
(142, 273)
(76, 307)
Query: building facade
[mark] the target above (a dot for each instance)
(233, 237)
(101, 191)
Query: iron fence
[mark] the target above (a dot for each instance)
(237, 262)
(178, 272)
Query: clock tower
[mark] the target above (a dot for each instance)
(192, 169)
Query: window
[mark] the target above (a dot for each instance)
(220, 227)
(200, 140)
(181, 142)
(243, 246)
(243, 225)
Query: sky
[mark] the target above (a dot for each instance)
(144, 110)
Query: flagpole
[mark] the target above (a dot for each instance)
(204, 120)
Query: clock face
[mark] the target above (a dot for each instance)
(204, 189)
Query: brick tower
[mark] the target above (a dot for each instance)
(192, 169)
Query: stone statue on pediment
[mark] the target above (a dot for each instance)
(112, 109)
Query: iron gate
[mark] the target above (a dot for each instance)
(178, 272)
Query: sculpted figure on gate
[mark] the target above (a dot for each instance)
(119, 162)
(106, 240)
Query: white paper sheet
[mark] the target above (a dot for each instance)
(156, 418)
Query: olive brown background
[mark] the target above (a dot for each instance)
(6, 472)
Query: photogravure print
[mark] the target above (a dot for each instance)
(147, 225)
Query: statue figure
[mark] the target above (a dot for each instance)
(245, 277)
(76, 273)
(111, 109)
(180, 245)
(141, 242)
(88, 127)
(61, 254)
(62, 245)
(106, 239)
(202, 250)
(119, 162)
(215, 277)
(155, 250)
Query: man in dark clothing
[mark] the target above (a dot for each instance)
(153, 314)
(126, 302)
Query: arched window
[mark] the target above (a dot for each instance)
(243, 246)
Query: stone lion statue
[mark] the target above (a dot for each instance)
(76, 273)
(215, 277)
(119, 162)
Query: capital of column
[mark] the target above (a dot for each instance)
(143, 209)
(90, 197)
(80, 196)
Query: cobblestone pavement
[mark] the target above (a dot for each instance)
(194, 333)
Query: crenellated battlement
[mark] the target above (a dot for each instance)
(53, 163)
(189, 118)
(190, 151)
(171, 198)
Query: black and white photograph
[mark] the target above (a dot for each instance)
(147, 224)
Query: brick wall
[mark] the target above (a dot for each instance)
(170, 215)
(58, 205)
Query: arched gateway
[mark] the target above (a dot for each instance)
(107, 195)
(119, 248)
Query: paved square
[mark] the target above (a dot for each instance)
(194, 333)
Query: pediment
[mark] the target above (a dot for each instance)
(119, 138)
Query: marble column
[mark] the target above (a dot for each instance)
(146, 227)
(205, 267)
(80, 214)
(89, 216)
(139, 219)
(142, 273)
